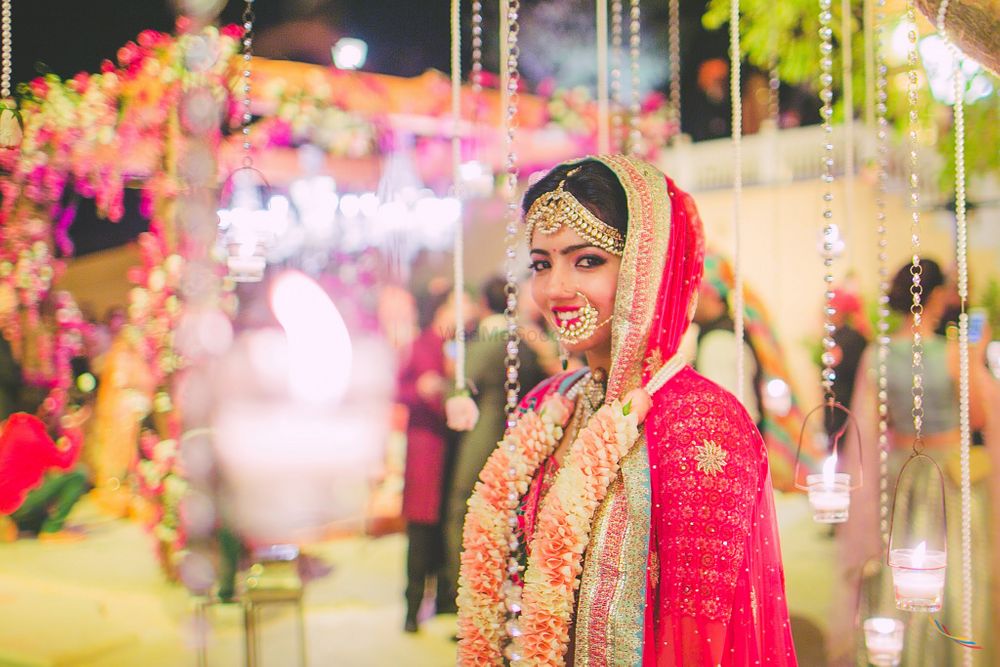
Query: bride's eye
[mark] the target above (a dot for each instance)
(539, 265)
(590, 262)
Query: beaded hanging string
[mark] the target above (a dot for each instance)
(512, 385)
(458, 249)
(674, 35)
(961, 224)
(826, 114)
(603, 105)
(617, 122)
(916, 290)
(635, 106)
(10, 123)
(512, 362)
(882, 325)
(6, 50)
(847, 64)
(737, 136)
(248, 20)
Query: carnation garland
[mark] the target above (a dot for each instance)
(556, 555)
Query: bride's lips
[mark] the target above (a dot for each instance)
(566, 315)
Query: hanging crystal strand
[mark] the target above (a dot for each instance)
(603, 110)
(735, 56)
(916, 290)
(10, 125)
(617, 55)
(458, 249)
(674, 35)
(826, 114)
(882, 326)
(6, 50)
(961, 224)
(476, 75)
(635, 105)
(509, 49)
(248, 20)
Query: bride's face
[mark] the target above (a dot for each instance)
(566, 268)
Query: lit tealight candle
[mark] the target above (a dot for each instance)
(830, 493)
(884, 641)
(918, 578)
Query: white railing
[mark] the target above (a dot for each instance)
(773, 157)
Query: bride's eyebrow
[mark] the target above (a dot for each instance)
(568, 250)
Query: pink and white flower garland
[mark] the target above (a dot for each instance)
(555, 563)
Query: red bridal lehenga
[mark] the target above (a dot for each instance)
(662, 552)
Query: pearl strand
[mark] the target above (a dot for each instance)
(6, 50)
(248, 20)
(961, 224)
(735, 56)
(458, 247)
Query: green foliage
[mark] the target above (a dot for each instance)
(789, 31)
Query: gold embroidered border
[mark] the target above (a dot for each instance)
(611, 612)
(639, 277)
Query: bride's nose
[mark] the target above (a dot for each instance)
(561, 285)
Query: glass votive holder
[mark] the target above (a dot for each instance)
(884, 641)
(830, 496)
(918, 578)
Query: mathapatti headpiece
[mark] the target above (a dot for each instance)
(557, 208)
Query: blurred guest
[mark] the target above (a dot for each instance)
(422, 388)
(716, 354)
(851, 339)
(485, 370)
(711, 118)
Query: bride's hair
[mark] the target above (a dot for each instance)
(594, 185)
(931, 277)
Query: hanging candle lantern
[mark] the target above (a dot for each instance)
(918, 577)
(829, 491)
(248, 228)
(918, 571)
(884, 641)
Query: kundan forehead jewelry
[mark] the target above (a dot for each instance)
(582, 327)
(558, 208)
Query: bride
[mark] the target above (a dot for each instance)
(626, 517)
